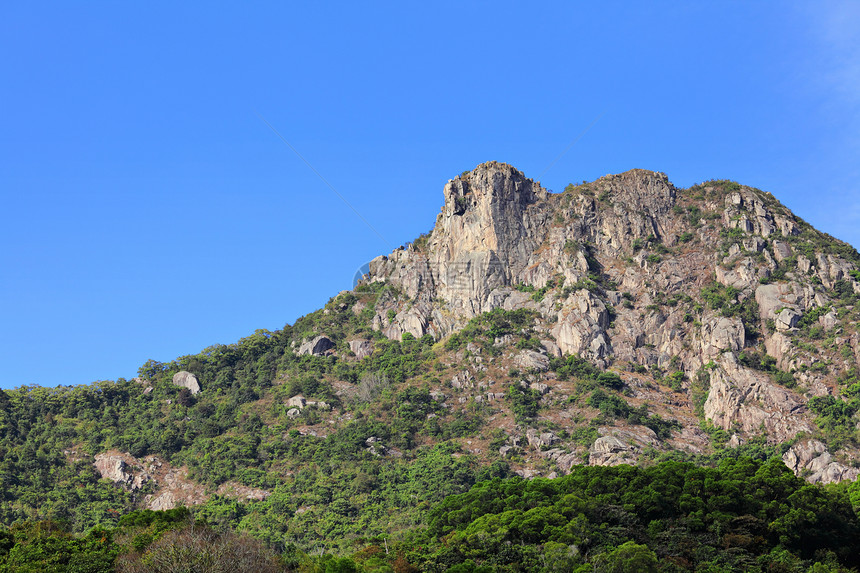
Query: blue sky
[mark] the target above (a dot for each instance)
(148, 211)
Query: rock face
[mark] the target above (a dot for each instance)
(484, 238)
(810, 459)
(172, 486)
(317, 346)
(618, 446)
(117, 468)
(531, 360)
(296, 403)
(361, 347)
(632, 273)
(751, 401)
(187, 380)
(497, 230)
(610, 451)
(176, 489)
(539, 440)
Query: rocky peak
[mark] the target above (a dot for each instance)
(634, 274)
(485, 232)
(499, 230)
(493, 220)
(493, 194)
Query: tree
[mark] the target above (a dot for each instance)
(628, 558)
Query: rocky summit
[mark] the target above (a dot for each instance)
(746, 310)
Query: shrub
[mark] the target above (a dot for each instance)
(699, 388)
(609, 406)
(201, 549)
(725, 299)
(573, 366)
(674, 380)
(610, 380)
(371, 386)
(694, 216)
(525, 402)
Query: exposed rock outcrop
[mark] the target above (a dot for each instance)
(172, 486)
(810, 459)
(361, 347)
(187, 380)
(119, 469)
(317, 346)
(751, 401)
(619, 446)
(531, 360)
(298, 402)
(540, 440)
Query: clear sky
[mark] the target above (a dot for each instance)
(148, 211)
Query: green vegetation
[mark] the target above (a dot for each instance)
(420, 244)
(573, 365)
(700, 385)
(729, 303)
(675, 380)
(143, 542)
(740, 516)
(781, 271)
(238, 430)
(811, 316)
(811, 242)
(538, 293)
(589, 283)
(524, 401)
(614, 407)
(730, 237)
(694, 216)
(835, 418)
(766, 363)
(486, 328)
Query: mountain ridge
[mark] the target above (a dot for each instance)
(621, 321)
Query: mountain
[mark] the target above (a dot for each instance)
(622, 321)
(713, 303)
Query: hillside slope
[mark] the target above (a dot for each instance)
(621, 321)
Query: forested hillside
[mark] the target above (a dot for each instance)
(743, 515)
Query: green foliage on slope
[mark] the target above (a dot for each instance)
(742, 515)
(323, 487)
